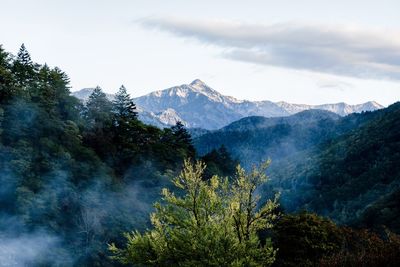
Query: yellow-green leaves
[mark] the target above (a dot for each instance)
(205, 223)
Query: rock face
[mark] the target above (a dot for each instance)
(197, 105)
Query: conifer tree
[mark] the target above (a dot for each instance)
(98, 108)
(125, 120)
(123, 107)
(183, 139)
(44, 93)
(23, 67)
(97, 114)
(127, 132)
(6, 78)
(23, 56)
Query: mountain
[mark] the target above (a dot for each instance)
(346, 168)
(84, 94)
(199, 106)
(257, 138)
(342, 109)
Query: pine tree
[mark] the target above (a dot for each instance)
(125, 120)
(23, 56)
(123, 107)
(97, 113)
(183, 139)
(98, 109)
(44, 93)
(23, 67)
(127, 130)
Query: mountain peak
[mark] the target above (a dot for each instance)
(199, 86)
(198, 82)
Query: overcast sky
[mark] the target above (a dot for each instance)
(309, 52)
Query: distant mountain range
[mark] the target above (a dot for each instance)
(197, 105)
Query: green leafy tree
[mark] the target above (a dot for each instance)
(207, 224)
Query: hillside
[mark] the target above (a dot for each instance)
(338, 167)
(253, 139)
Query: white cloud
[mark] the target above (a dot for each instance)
(338, 50)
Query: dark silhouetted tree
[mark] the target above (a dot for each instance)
(23, 67)
(183, 140)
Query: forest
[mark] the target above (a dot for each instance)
(89, 184)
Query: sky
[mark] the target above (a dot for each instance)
(306, 51)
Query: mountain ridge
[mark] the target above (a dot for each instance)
(198, 105)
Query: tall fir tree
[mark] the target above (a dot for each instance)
(23, 67)
(23, 56)
(183, 140)
(123, 107)
(98, 109)
(98, 134)
(44, 93)
(127, 130)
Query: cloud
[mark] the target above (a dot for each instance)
(336, 85)
(336, 50)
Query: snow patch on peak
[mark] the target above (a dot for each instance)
(197, 82)
(157, 93)
(179, 91)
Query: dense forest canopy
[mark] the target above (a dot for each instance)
(76, 177)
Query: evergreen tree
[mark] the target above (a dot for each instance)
(23, 67)
(98, 109)
(127, 131)
(24, 57)
(124, 109)
(125, 120)
(97, 114)
(6, 79)
(182, 140)
(44, 93)
(66, 105)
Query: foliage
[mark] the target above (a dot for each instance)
(304, 238)
(219, 162)
(210, 224)
(365, 248)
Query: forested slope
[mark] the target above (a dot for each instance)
(75, 177)
(338, 167)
